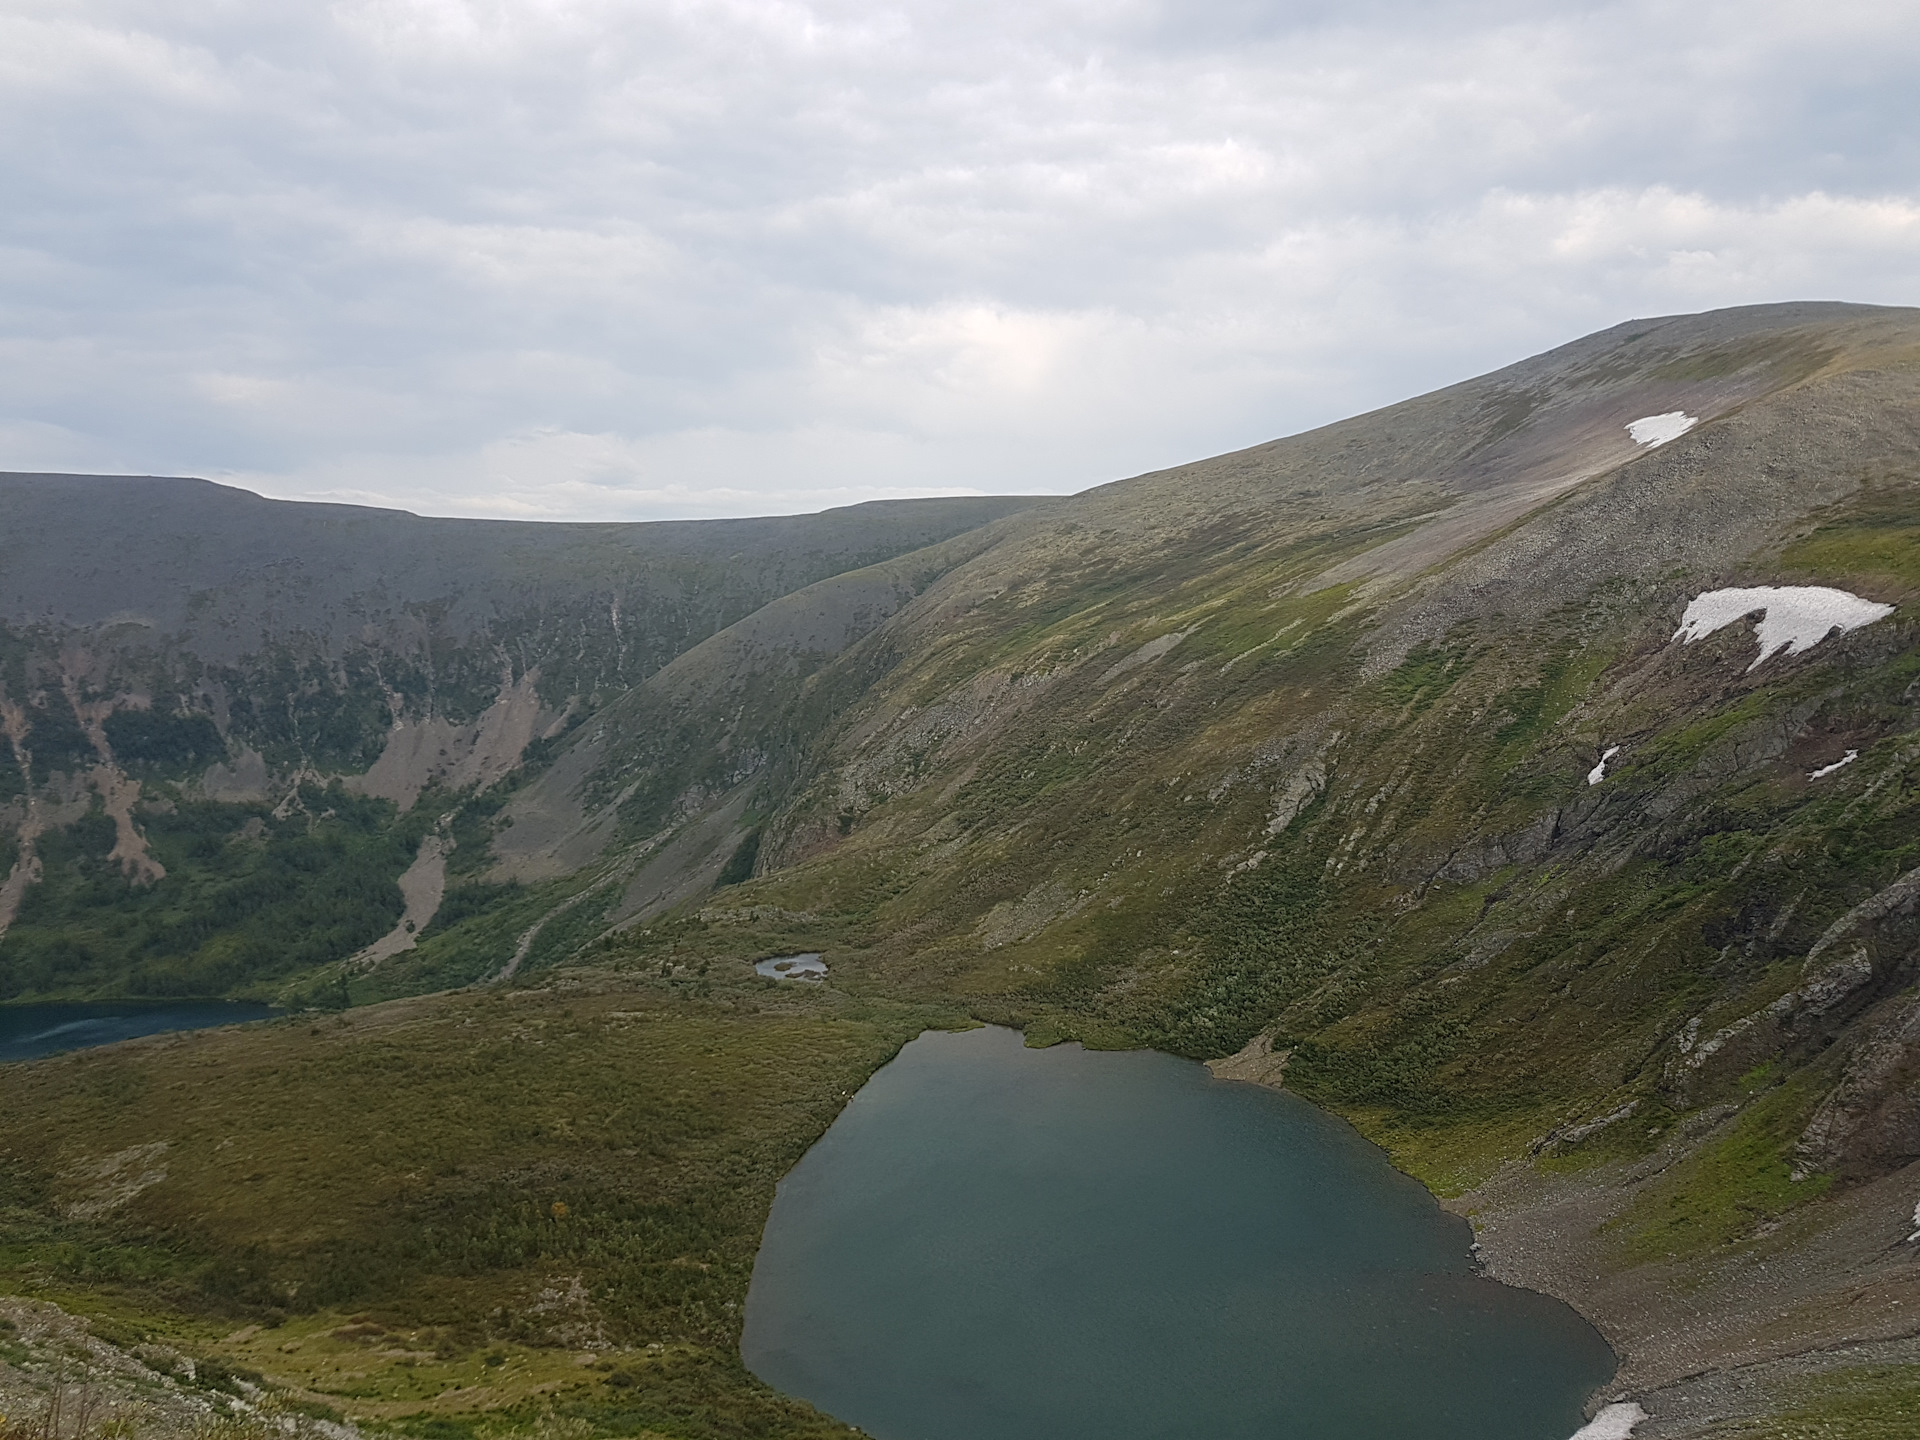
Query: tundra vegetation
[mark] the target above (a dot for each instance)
(1289, 754)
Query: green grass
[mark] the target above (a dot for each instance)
(1424, 676)
(1859, 1403)
(520, 1172)
(1720, 1193)
(1876, 537)
(1789, 360)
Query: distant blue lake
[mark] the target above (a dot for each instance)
(29, 1031)
(996, 1243)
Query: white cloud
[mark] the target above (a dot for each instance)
(592, 257)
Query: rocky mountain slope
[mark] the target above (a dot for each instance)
(182, 663)
(1525, 771)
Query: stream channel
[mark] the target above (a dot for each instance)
(997, 1243)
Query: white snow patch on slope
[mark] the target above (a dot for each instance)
(1658, 429)
(1846, 759)
(1599, 772)
(1795, 618)
(1614, 1422)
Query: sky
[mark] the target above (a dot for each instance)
(587, 260)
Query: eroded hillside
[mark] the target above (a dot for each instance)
(221, 712)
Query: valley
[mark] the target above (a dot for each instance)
(1527, 783)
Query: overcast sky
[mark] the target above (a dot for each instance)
(583, 259)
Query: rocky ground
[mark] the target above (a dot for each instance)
(1709, 1341)
(61, 1381)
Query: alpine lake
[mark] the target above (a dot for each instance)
(28, 1032)
(998, 1243)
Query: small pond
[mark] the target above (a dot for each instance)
(996, 1243)
(28, 1032)
(793, 967)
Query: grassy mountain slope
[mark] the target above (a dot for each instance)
(1290, 751)
(509, 1210)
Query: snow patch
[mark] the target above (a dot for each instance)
(1651, 430)
(1846, 759)
(1793, 617)
(1614, 1422)
(1914, 1238)
(1599, 772)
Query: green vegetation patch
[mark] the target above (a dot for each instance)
(249, 899)
(1723, 1191)
(171, 742)
(54, 737)
(474, 936)
(1858, 1403)
(1878, 536)
(1426, 674)
(13, 780)
(373, 1203)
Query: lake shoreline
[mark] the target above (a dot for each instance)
(1701, 1341)
(1698, 1343)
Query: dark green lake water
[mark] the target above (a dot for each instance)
(996, 1243)
(28, 1032)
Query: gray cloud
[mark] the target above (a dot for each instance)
(598, 259)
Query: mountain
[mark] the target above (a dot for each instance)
(180, 662)
(1524, 771)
